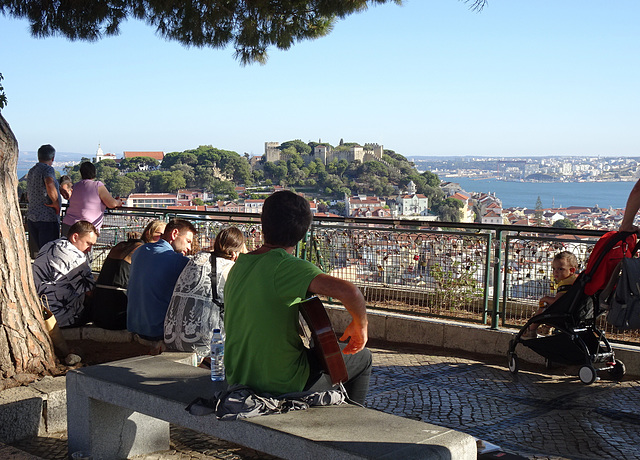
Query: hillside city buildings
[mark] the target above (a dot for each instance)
(477, 207)
(561, 169)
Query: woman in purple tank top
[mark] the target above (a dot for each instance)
(88, 200)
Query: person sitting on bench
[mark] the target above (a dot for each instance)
(155, 268)
(62, 273)
(263, 349)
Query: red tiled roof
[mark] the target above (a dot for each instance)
(365, 200)
(188, 208)
(460, 196)
(155, 155)
(153, 195)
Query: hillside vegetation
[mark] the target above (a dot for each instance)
(220, 171)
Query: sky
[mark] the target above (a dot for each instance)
(429, 78)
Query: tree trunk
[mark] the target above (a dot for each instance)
(26, 351)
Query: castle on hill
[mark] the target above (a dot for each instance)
(327, 154)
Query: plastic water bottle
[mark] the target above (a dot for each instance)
(217, 356)
(201, 353)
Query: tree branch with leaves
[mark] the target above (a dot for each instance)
(3, 96)
(251, 26)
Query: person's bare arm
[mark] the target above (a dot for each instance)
(52, 192)
(550, 300)
(107, 199)
(353, 301)
(547, 300)
(66, 193)
(631, 209)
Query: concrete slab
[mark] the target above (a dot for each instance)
(108, 400)
(339, 432)
(105, 335)
(404, 329)
(54, 397)
(72, 333)
(21, 414)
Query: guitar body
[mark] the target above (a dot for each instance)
(325, 342)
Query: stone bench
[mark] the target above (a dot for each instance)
(124, 408)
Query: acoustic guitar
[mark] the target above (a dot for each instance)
(324, 339)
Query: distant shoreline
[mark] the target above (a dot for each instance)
(450, 179)
(522, 194)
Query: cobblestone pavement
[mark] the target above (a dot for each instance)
(538, 414)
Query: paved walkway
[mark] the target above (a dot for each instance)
(538, 414)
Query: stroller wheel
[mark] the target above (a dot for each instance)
(513, 363)
(618, 370)
(587, 375)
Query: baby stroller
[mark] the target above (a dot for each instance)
(576, 340)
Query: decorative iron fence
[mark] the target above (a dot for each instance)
(488, 274)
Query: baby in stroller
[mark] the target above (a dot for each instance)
(576, 339)
(564, 266)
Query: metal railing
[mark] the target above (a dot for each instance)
(482, 273)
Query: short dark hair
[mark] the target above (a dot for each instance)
(46, 152)
(81, 227)
(228, 241)
(181, 224)
(65, 180)
(286, 217)
(88, 170)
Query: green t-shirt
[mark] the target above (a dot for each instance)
(262, 347)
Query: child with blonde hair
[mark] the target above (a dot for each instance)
(564, 266)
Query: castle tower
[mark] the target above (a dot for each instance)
(271, 151)
(321, 151)
(378, 150)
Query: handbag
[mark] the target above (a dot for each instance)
(51, 326)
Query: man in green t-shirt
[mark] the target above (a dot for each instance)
(263, 349)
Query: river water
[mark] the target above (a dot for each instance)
(552, 194)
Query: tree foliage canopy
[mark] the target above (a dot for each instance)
(564, 223)
(449, 210)
(251, 26)
(3, 97)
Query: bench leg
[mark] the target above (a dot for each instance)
(108, 431)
